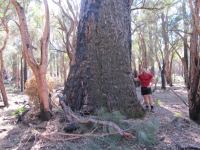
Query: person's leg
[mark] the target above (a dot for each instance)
(146, 101)
(151, 101)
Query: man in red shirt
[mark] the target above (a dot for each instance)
(146, 79)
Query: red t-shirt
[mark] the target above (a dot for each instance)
(145, 78)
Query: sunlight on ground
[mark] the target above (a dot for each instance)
(171, 109)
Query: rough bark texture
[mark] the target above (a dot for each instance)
(194, 91)
(101, 76)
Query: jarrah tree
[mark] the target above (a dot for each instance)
(194, 91)
(40, 69)
(102, 74)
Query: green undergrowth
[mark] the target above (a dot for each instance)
(144, 132)
(19, 111)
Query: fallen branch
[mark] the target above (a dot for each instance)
(179, 97)
(71, 117)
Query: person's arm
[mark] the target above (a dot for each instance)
(136, 79)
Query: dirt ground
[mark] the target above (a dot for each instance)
(176, 130)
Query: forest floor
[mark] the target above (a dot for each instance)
(175, 131)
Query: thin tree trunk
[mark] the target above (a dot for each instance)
(163, 86)
(101, 75)
(166, 48)
(143, 50)
(185, 45)
(22, 75)
(39, 70)
(25, 71)
(2, 87)
(169, 71)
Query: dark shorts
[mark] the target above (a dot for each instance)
(145, 90)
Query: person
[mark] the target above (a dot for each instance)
(146, 79)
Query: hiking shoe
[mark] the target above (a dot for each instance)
(146, 108)
(152, 110)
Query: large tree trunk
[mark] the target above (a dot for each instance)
(194, 92)
(101, 75)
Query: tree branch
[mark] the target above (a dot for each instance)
(26, 42)
(45, 37)
(70, 116)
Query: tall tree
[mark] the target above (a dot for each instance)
(194, 96)
(185, 45)
(101, 75)
(166, 62)
(40, 69)
(4, 25)
(68, 22)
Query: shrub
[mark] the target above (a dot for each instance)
(31, 90)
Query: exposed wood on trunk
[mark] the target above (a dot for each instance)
(40, 69)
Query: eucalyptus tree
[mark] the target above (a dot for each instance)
(65, 34)
(101, 75)
(39, 68)
(194, 90)
(4, 8)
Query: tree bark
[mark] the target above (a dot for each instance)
(39, 70)
(194, 91)
(165, 35)
(5, 40)
(22, 75)
(25, 71)
(143, 49)
(163, 86)
(185, 46)
(101, 75)
(2, 87)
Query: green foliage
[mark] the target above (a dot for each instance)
(157, 102)
(177, 114)
(19, 111)
(114, 116)
(146, 132)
